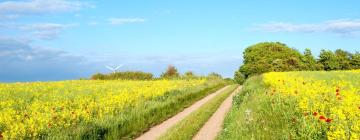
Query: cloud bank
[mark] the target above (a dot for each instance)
(339, 27)
(22, 62)
(40, 6)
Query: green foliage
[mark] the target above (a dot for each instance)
(128, 75)
(270, 56)
(310, 62)
(170, 73)
(189, 75)
(214, 75)
(275, 56)
(344, 59)
(355, 61)
(329, 60)
(239, 77)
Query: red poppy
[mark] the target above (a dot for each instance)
(337, 89)
(322, 118)
(328, 120)
(315, 113)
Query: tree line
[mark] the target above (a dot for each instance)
(276, 56)
(170, 73)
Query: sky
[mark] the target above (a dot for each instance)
(48, 40)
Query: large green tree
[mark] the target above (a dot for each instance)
(310, 61)
(270, 56)
(344, 59)
(355, 61)
(329, 60)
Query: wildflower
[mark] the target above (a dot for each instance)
(248, 111)
(315, 113)
(328, 120)
(322, 118)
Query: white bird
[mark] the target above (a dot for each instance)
(114, 69)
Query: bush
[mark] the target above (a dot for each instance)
(128, 75)
(170, 73)
(214, 75)
(239, 77)
(270, 56)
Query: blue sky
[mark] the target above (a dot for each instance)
(43, 40)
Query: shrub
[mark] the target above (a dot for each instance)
(128, 75)
(239, 77)
(270, 56)
(171, 72)
(214, 75)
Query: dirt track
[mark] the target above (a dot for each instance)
(160, 129)
(214, 125)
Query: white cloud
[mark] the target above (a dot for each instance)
(40, 6)
(119, 21)
(9, 16)
(21, 61)
(341, 27)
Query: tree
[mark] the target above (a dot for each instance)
(214, 75)
(310, 61)
(355, 61)
(270, 56)
(343, 58)
(189, 75)
(171, 72)
(329, 60)
(239, 77)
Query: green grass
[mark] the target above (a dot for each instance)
(187, 128)
(252, 116)
(136, 120)
(256, 115)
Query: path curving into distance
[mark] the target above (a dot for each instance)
(156, 131)
(214, 125)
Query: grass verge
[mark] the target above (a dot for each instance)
(138, 119)
(188, 127)
(255, 115)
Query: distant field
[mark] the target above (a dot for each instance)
(88, 109)
(297, 105)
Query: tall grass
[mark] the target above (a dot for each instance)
(273, 111)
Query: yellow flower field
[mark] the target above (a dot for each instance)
(329, 100)
(29, 110)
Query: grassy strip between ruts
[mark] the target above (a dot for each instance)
(138, 119)
(188, 127)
